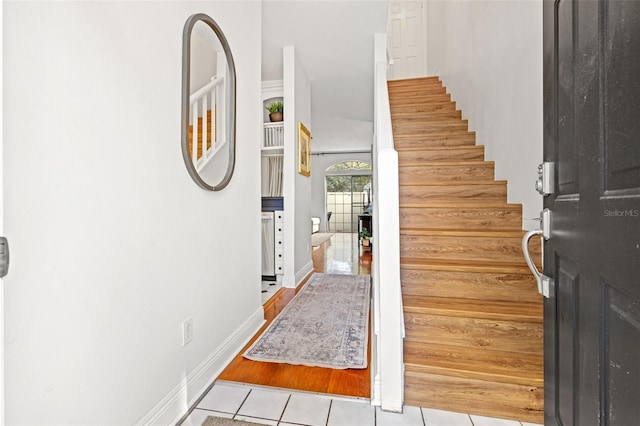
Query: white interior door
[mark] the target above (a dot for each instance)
(406, 39)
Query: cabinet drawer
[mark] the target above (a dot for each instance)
(279, 267)
(279, 254)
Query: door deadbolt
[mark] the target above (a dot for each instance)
(545, 181)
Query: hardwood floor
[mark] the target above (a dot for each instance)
(339, 255)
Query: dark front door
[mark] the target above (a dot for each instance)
(592, 135)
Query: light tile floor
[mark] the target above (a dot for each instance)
(279, 407)
(269, 288)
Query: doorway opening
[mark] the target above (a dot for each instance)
(347, 195)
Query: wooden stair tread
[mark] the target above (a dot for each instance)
(462, 134)
(462, 163)
(480, 217)
(463, 232)
(459, 162)
(485, 309)
(450, 360)
(413, 116)
(464, 266)
(440, 121)
(461, 203)
(441, 154)
(412, 92)
(455, 183)
(419, 96)
(452, 183)
(414, 80)
(425, 112)
(439, 126)
(475, 204)
(419, 102)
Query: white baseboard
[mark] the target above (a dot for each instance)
(302, 273)
(176, 404)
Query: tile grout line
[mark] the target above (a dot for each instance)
(286, 404)
(243, 401)
(326, 423)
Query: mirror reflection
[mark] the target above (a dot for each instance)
(208, 104)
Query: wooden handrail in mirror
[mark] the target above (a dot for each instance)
(208, 120)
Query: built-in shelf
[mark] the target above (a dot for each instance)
(273, 138)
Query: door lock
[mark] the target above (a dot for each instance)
(545, 181)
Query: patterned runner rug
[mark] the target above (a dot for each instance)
(220, 421)
(324, 325)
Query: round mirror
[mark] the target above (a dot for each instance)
(208, 122)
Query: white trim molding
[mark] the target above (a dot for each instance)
(176, 404)
(304, 272)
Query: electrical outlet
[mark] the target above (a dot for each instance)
(187, 331)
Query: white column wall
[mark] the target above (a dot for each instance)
(297, 187)
(113, 245)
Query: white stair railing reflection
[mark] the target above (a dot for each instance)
(207, 114)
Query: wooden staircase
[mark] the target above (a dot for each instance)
(473, 315)
(199, 140)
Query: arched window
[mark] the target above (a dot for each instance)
(349, 166)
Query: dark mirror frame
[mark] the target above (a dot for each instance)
(231, 103)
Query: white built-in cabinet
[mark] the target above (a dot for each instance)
(272, 163)
(279, 243)
(272, 146)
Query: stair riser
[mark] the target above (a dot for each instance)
(409, 92)
(470, 285)
(423, 108)
(507, 218)
(479, 249)
(472, 153)
(417, 175)
(503, 367)
(433, 141)
(402, 118)
(415, 82)
(430, 128)
(428, 194)
(490, 399)
(421, 103)
(474, 333)
(424, 97)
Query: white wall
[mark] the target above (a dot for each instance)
(113, 245)
(297, 187)
(489, 56)
(319, 165)
(203, 58)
